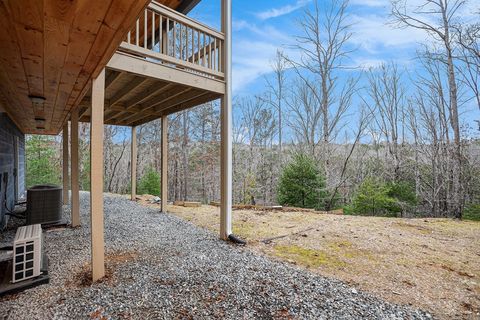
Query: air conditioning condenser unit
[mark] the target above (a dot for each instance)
(27, 253)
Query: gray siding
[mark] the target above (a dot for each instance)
(9, 133)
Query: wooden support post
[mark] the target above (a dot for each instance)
(164, 186)
(66, 185)
(226, 127)
(133, 162)
(96, 177)
(75, 210)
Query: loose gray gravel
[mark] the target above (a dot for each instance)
(179, 271)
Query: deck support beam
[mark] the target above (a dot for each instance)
(164, 164)
(75, 209)
(226, 127)
(133, 163)
(65, 176)
(96, 177)
(126, 63)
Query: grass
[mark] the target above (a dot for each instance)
(308, 257)
(348, 251)
(335, 254)
(245, 229)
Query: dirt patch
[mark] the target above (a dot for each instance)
(271, 208)
(433, 264)
(121, 257)
(83, 276)
(410, 227)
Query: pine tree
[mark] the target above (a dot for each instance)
(149, 183)
(301, 184)
(42, 166)
(373, 198)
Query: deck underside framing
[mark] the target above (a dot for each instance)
(139, 91)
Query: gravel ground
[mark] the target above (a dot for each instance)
(162, 267)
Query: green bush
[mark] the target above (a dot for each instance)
(348, 210)
(375, 197)
(472, 212)
(301, 184)
(404, 194)
(149, 183)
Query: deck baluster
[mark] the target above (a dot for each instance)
(160, 35)
(137, 27)
(198, 47)
(167, 32)
(204, 51)
(145, 29)
(153, 30)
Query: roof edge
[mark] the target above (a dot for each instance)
(187, 5)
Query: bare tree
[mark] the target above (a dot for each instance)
(185, 151)
(437, 18)
(324, 51)
(259, 129)
(363, 120)
(469, 42)
(205, 154)
(111, 160)
(277, 91)
(305, 115)
(387, 96)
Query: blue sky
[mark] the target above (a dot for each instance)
(262, 26)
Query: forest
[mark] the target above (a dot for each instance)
(386, 140)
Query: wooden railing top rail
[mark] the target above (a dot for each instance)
(166, 11)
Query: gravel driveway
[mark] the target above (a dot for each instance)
(161, 267)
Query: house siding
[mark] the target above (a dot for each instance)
(9, 133)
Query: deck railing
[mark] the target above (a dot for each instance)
(165, 36)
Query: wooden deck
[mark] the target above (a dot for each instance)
(167, 63)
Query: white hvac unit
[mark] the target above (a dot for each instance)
(27, 253)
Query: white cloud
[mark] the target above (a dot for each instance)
(469, 7)
(266, 32)
(373, 31)
(254, 48)
(251, 60)
(370, 3)
(367, 63)
(277, 12)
